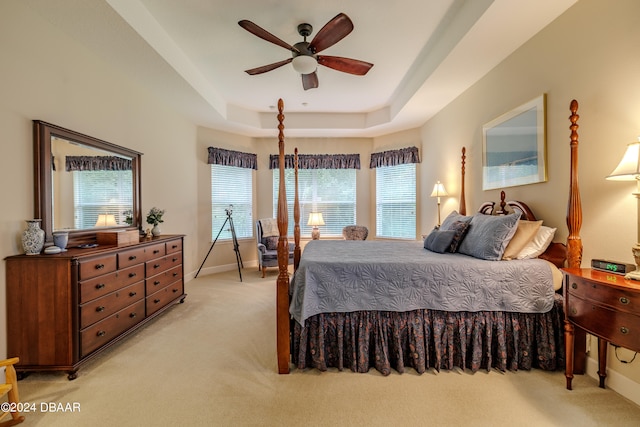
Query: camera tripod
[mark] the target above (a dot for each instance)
(236, 246)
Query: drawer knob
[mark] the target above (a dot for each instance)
(175, 290)
(156, 283)
(100, 308)
(624, 330)
(174, 259)
(132, 294)
(155, 301)
(156, 251)
(174, 246)
(175, 274)
(99, 266)
(132, 257)
(574, 285)
(100, 285)
(624, 300)
(101, 333)
(132, 315)
(132, 274)
(156, 265)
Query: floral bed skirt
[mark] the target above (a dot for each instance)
(425, 339)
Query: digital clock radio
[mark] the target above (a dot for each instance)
(612, 266)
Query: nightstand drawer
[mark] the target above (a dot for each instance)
(606, 295)
(619, 328)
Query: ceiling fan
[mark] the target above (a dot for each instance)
(305, 58)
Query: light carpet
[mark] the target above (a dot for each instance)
(212, 362)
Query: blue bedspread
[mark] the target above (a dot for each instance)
(347, 276)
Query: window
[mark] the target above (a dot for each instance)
(101, 192)
(330, 191)
(396, 201)
(231, 185)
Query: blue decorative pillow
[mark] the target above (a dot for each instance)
(453, 217)
(488, 236)
(439, 240)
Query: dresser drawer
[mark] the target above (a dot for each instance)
(619, 328)
(163, 297)
(606, 295)
(102, 332)
(159, 281)
(105, 306)
(155, 251)
(131, 257)
(159, 265)
(97, 266)
(174, 246)
(103, 285)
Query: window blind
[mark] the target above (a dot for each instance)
(101, 192)
(396, 201)
(231, 185)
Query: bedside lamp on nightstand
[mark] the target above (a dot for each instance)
(629, 170)
(439, 191)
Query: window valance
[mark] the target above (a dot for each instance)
(220, 156)
(317, 161)
(395, 157)
(96, 163)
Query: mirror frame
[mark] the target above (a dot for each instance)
(43, 197)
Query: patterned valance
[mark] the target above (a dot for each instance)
(220, 156)
(395, 157)
(97, 163)
(317, 161)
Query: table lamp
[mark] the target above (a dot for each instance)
(315, 219)
(439, 191)
(629, 170)
(106, 220)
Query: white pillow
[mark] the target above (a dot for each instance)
(539, 244)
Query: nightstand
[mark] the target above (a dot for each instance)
(605, 305)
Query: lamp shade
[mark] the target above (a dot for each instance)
(439, 191)
(629, 167)
(106, 220)
(304, 64)
(315, 219)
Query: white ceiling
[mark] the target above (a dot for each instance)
(192, 54)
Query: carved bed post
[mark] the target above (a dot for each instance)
(574, 210)
(463, 203)
(296, 215)
(282, 284)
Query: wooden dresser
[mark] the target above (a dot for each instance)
(66, 308)
(605, 305)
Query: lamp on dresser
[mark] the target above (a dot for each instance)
(106, 220)
(439, 191)
(629, 170)
(315, 219)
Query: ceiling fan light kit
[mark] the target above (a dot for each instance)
(305, 58)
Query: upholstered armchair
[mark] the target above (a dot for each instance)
(267, 236)
(355, 232)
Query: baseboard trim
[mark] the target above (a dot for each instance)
(616, 381)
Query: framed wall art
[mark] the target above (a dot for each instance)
(514, 148)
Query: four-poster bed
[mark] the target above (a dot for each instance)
(504, 330)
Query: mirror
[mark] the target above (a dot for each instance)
(84, 185)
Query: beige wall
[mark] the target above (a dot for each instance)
(588, 54)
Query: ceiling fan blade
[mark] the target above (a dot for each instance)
(310, 81)
(346, 65)
(265, 68)
(265, 35)
(332, 32)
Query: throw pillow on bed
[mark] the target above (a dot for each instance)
(488, 236)
(525, 233)
(453, 217)
(439, 240)
(460, 228)
(539, 244)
